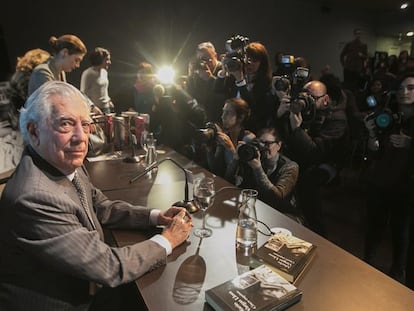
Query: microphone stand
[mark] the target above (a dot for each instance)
(186, 203)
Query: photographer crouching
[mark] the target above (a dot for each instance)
(390, 180)
(259, 165)
(314, 131)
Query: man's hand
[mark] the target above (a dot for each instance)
(179, 228)
(284, 103)
(295, 120)
(165, 218)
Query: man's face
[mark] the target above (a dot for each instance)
(405, 94)
(320, 97)
(209, 57)
(62, 140)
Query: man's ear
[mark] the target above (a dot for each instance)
(327, 99)
(33, 132)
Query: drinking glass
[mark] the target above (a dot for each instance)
(203, 192)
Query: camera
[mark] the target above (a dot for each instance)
(236, 43)
(208, 134)
(248, 151)
(287, 60)
(384, 119)
(236, 51)
(303, 103)
(300, 101)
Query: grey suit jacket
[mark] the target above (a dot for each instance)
(43, 73)
(49, 249)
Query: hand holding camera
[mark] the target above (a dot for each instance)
(284, 104)
(224, 140)
(296, 120)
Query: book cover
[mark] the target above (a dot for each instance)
(285, 254)
(260, 289)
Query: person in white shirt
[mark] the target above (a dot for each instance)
(95, 82)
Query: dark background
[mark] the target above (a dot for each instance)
(166, 32)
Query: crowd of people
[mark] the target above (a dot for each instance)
(278, 129)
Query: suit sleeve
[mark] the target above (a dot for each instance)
(49, 229)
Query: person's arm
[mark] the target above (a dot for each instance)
(53, 233)
(281, 187)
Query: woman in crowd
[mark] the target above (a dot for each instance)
(390, 177)
(68, 52)
(17, 91)
(94, 80)
(251, 80)
(222, 150)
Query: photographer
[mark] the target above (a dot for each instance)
(247, 73)
(202, 73)
(390, 175)
(314, 135)
(259, 165)
(222, 149)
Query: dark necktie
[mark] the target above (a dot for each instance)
(83, 198)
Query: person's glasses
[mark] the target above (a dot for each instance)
(316, 98)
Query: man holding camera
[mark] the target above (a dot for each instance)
(202, 73)
(314, 131)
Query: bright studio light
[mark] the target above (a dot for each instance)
(166, 75)
(404, 6)
(410, 34)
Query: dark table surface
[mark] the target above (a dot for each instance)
(334, 280)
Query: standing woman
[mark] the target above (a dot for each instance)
(68, 52)
(95, 82)
(251, 81)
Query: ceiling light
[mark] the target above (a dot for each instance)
(410, 34)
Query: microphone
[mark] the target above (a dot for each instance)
(133, 158)
(186, 203)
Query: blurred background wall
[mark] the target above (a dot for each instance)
(166, 32)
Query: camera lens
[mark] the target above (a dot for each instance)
(282, 84)
(383, 120)
(247, 152)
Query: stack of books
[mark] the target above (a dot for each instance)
(278, 263)
(259, 289)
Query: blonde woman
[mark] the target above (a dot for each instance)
(17, 92)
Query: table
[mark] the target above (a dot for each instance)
(335, 279)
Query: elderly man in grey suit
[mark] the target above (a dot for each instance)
(51, 241)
